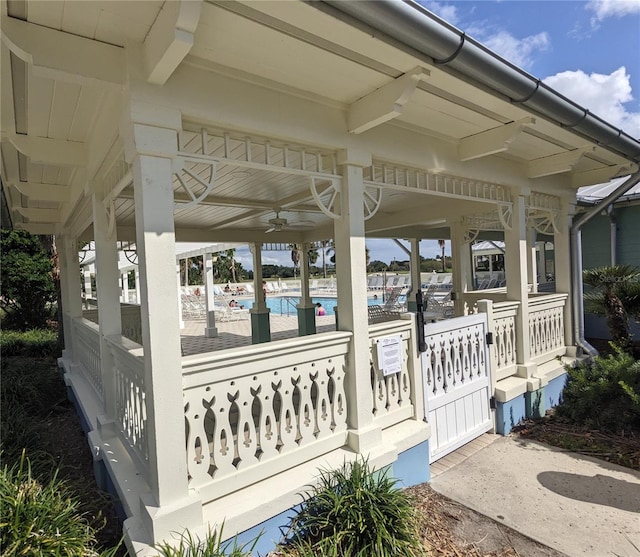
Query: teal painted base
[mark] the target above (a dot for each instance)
(270, 532)
(412, 466)
(529, 405)
(553, 391)
(260, 328)
(306, 321)
(535, 403)
(509, 413)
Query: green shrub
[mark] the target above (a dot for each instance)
(34, 342)
(211, 546)
(604, 393)
(40, 518)
(357, 512)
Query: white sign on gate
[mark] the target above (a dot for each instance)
(390, 354)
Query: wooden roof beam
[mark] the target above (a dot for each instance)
(43, 192)
(384, 103)
(490, 142)
(601, 175)
(170, 39)
(49, 151)
(58, 55)
(556, 164)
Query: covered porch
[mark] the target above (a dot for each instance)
(202, 125)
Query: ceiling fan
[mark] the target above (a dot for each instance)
(279, 223)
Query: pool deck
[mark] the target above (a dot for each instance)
(232, 334)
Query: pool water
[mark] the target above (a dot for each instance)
(286, 305)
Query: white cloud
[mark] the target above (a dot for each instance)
(604, 95)
(604, 9)
(445, 11)
(518, 51)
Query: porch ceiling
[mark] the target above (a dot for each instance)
(60, 114)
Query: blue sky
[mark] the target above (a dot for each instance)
(588, 51)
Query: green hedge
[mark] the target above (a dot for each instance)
(35, 342)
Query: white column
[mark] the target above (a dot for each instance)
(562, 265)
(542, 261)
(71, 291)
(87, 283)
(306, 308)
(532, 265)
(125, 287)
(151, 141)
(351, 273)
(210, 330)
(260, 324)
(461, 263)
(138, 285)
(108, 295)
(180, 308)
(256, 252)
(516, 256)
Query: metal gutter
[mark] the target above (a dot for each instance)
(408, 26)
(576, 258)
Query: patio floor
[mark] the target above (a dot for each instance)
(232, 334)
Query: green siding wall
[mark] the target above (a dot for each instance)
(628, 235)
(596, 250)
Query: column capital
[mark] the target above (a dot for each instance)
(354, 157)
(150, 129)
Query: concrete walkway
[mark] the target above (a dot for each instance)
(575, 504)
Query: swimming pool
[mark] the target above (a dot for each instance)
(286, 305)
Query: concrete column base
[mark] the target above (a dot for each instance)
(526, 370)
(210, 331)
(365, 441)
(260, 326)
(306, 320)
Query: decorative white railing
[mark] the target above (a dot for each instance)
(502, 323)
(471, 298)
(546, 327)
(382, 173)
(456, 354)
(394, 393)
(504, 338)
(131, 321)
(130, 396)
(87, 345)
(252, 413)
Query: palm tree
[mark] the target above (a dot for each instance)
(331, 249)
(295, 257)
(609, 283)
(442, 245)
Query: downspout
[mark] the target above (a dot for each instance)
(576, 258)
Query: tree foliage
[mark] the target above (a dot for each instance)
(26, 283)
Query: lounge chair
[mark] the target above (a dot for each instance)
(226, 312)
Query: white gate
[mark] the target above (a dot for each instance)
(457, 382)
